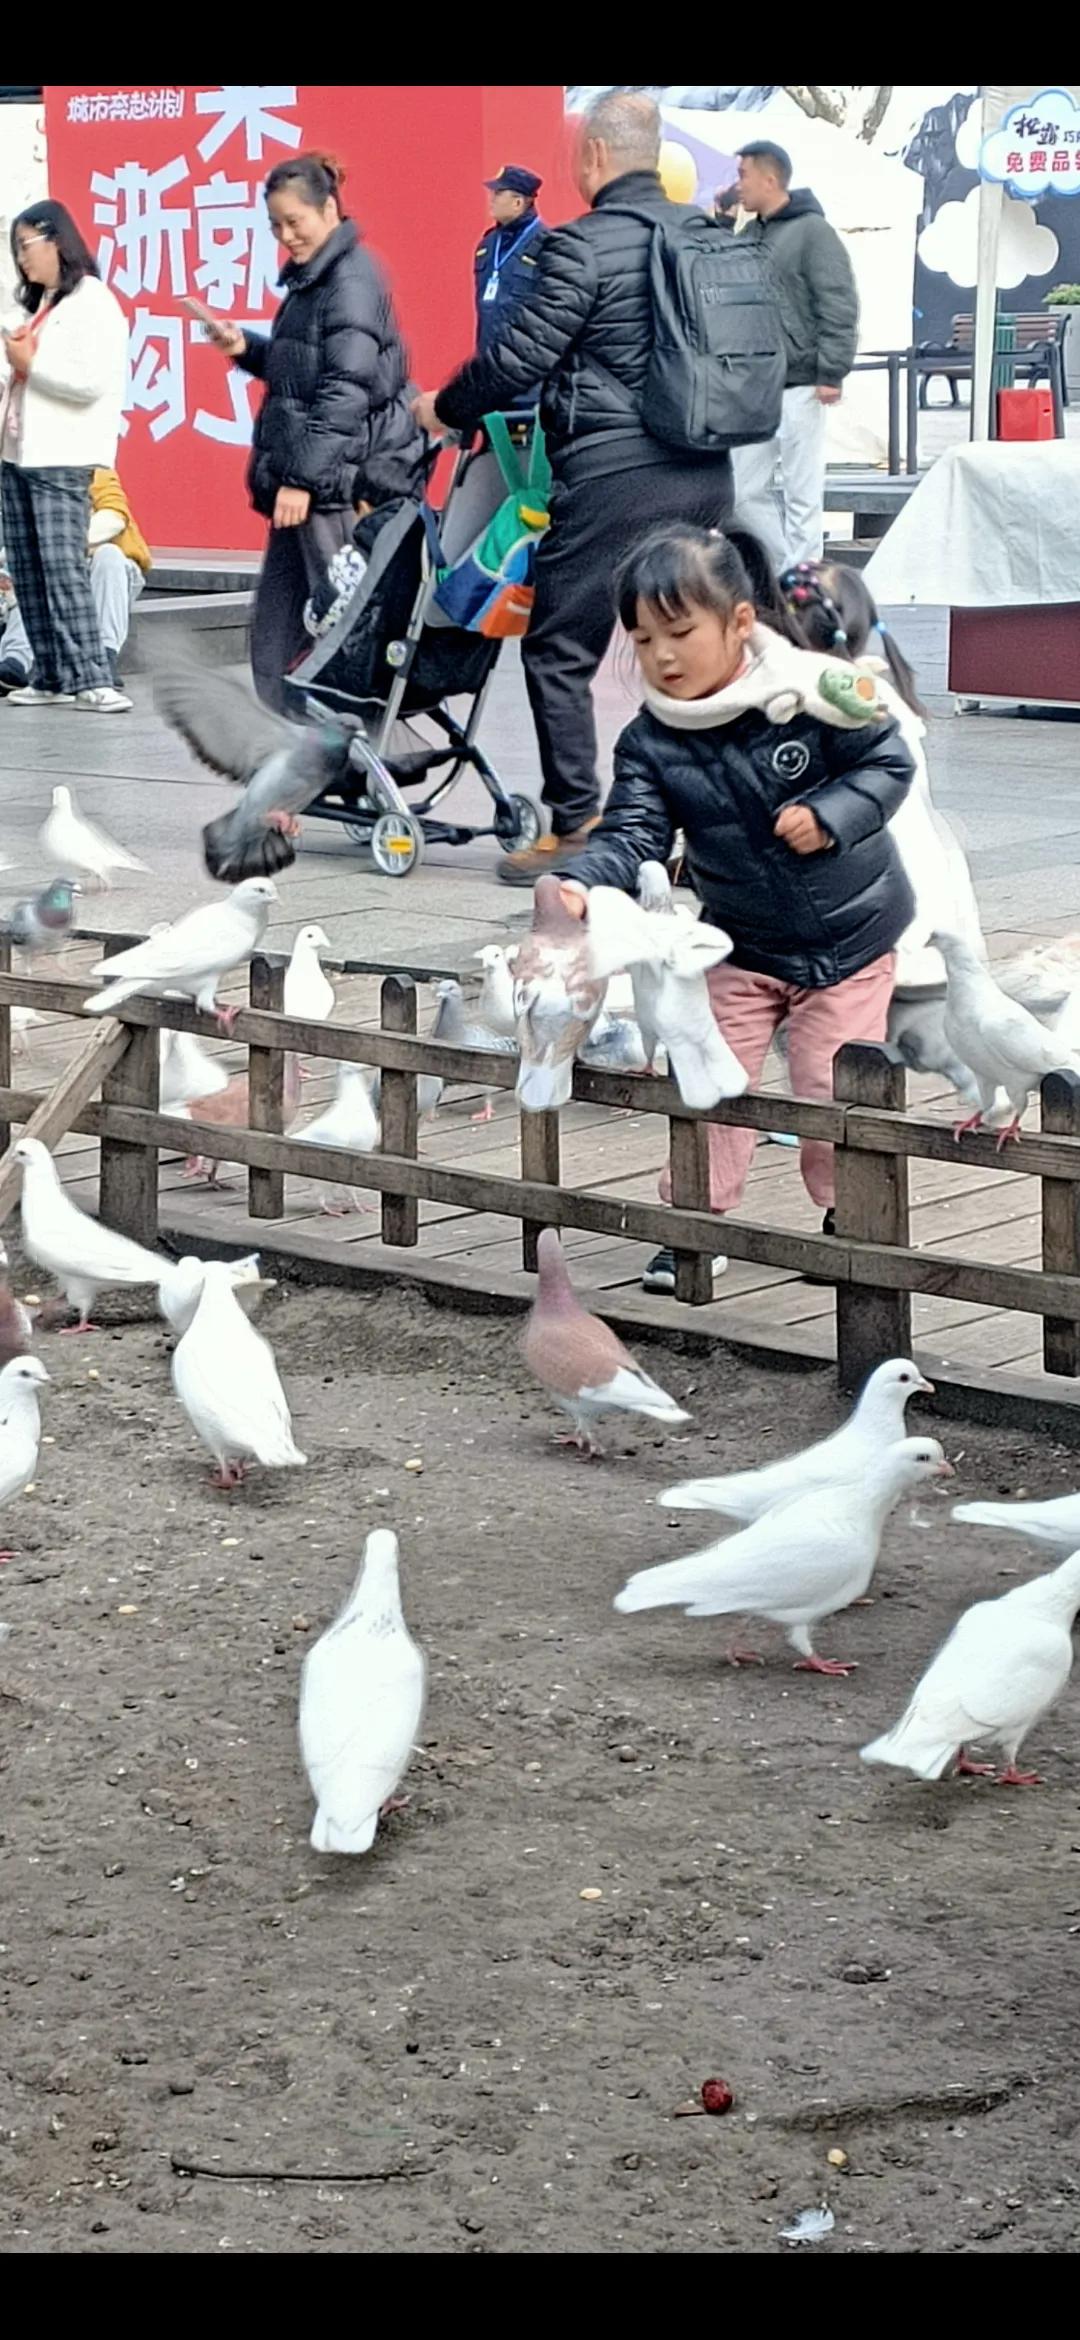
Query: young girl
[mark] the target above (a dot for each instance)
(785, 824)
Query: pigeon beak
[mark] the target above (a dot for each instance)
(944, 1470)
(927, 1388)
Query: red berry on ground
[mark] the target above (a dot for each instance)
(716, 2096)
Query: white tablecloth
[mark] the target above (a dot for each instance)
(993, 524)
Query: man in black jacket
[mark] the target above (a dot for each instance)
(586, 327)
(819, 307)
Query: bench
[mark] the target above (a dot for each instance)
(1035, 334)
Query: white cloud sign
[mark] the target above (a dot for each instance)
(1036, 149)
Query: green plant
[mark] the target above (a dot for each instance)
(1062, 296)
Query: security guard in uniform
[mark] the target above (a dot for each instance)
(507, 255)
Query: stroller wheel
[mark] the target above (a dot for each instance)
(526, 829)
(397, 844)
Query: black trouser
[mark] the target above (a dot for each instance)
(594, 524)
(295, 561)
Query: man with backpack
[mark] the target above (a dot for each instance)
(636, 431)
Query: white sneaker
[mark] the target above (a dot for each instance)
(103, 700)
(30, 696)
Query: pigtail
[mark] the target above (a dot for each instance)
(900, 673)
(765, 592)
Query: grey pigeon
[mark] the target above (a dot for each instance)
(580, 1361)
(459, 1027)
(16, 1324)
(798, 1563)
(44, 921)
(280, 767)
(1005, 1664)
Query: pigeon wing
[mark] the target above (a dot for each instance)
(224, 725)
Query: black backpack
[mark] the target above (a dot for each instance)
(716, 373)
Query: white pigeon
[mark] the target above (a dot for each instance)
(799, 1562)
(78, 847)
(349, 1121)
(309, 992)
(187, 1072)
(82, 1254)
(1000, 1040)
(495, 1007)
(877, 1422)
(192, 956)
(20, 1427)
(226, 1379)
(668, 955)
(1004, 1665)
(181, 1282)
(1055, 1522)
(361, 1700)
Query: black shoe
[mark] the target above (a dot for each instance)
(12, 675)
(659, 1276)
(828, 1227)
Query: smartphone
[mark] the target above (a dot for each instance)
(199, 309)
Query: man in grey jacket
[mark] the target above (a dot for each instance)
(819, 307)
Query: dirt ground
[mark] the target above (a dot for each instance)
(625, 1868)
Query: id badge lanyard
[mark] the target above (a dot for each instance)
(503, 259)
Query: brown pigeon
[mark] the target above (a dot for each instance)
(16, 1327)
(556, 1000)
(580, 1360)
(229, 1108)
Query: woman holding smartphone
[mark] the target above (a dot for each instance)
(334, 430)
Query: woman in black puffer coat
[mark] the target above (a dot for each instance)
(334, 432)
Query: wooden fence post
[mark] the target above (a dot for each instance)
(397, 1110)
(266, 1089)
(5, 1038)
(540, 1158)
(689, 1157)
(1061, 1220)
(872, 1323)
(128, 1175)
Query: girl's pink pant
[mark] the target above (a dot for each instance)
(749, 1009)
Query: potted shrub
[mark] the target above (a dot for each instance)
(1067, 296)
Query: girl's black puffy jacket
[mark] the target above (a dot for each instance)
(335, 418)
(810, 919)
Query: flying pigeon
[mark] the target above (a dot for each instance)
(20, 1427)
(226, 1379)
(309, 993)
(280, 767)
(999, 1039)
(192, 956)
(1004, 1665)
(580, 1361)
(349, 1121)
(16, 1323)
(877, 1422)
(75, 844)
(361, 1699)
(668, 955)
(495, 1007)
(799, 1562)
(1055, 1522)
(44, 921)
(556, 1000)
(181, 1282)
(82, 1254)
(187, 1072)
(462, 1027)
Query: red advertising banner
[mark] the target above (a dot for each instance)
(166, 184)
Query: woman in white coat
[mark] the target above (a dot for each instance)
(59, 421)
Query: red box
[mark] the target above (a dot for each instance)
(1031, 652)
(1025, 414)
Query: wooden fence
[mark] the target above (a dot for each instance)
(869, 1258)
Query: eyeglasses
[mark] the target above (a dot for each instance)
(22, 249)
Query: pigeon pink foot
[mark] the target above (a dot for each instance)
(1010, 1130)
(960, 1128)
(820, 1665)
(966, 1769)
(285, 823)
(486, 1113)
(227, 1476)
(226, 1018)
(744, 1657)
(84, 1325)
(1014, 1778)
(394, 1804)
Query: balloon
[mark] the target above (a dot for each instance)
(678, 172)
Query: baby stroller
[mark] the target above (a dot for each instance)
(390, 657)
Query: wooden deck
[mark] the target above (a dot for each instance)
(986, 1216)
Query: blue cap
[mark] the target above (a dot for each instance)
(512, 180)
